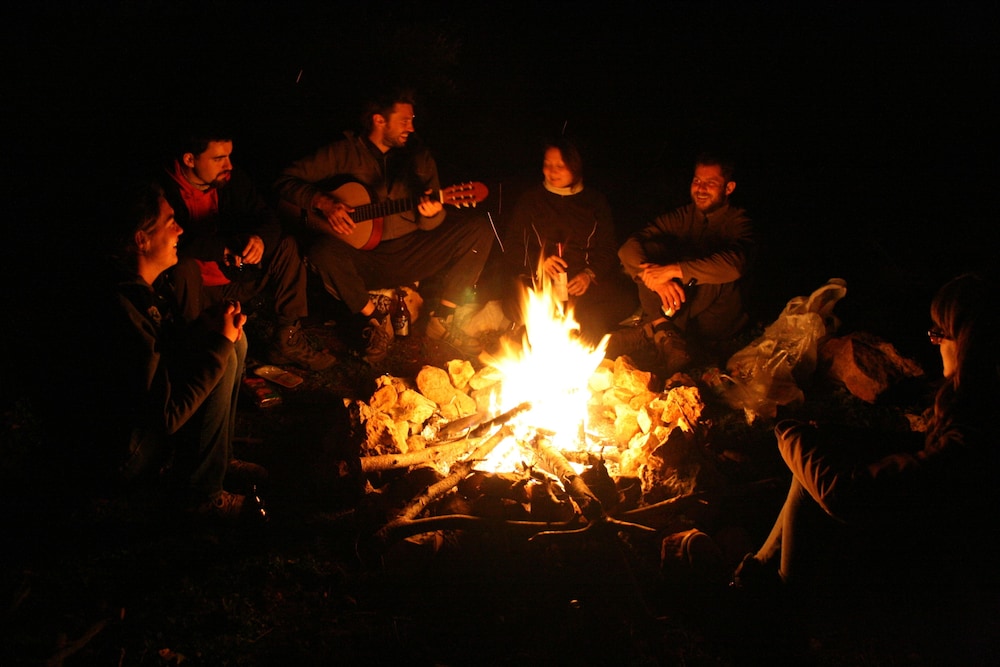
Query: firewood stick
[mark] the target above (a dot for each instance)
(430, 524)
(499, 420)
(658, 515)
(604, 522)
(459, 472)
(426, 455)
(72, 647)
(553, 461)
(437, 452)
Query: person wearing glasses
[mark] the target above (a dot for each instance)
(922, 510)
(689, 266)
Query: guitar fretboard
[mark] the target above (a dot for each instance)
(382, 209)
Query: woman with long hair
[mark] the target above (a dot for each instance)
(929, 509)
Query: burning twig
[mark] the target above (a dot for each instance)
(387, 534)
(590, 506)
(553, 461)
(444, 451)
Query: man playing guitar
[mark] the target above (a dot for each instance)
(400, 248)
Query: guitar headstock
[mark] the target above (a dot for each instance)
(464, 194)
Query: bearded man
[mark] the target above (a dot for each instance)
(234, 247)
(689, 266)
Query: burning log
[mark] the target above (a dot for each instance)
(383, 462)
(553, 461)
(590, 505)
(459, 472)
(444, 451)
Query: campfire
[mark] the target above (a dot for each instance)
(546, 436)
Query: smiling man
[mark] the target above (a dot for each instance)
(707, 241)
(233, 247)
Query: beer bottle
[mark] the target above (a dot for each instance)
(670, 313)
(400, 315)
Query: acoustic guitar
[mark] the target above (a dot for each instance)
(369, 216)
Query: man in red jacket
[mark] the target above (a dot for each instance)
(233, 247)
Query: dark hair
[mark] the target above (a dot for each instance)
(196, 140)
(383, 105)
(965, 309)
(139, 211)
(570, 155)
(724, 163)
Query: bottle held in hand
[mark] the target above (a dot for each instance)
(670, 313)
(400, 315)
(560, 288)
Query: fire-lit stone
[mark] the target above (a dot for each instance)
(866, 364)
(460, 371)
(435, 384)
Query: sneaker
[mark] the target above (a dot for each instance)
(376, 339)
(291, 347)
(243, 476)
(447, 331)
(225, 506)
(693, 557)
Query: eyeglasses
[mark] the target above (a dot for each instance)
(936, 336)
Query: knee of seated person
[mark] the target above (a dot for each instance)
(287, 244)
(630, 256)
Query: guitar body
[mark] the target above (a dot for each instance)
(369, 217)
(367, 233)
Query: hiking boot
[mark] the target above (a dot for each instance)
(693, 557)
(223, 507)
(376, 338)
(671, 350)
(243, 477)
(446, 330)
(630, 341)
(291, 347)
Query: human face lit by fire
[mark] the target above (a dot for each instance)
(709, 189)
(395, 129)
(212, 168)
(158, 245)
(947, 348)
(949, 357)
(556, 173)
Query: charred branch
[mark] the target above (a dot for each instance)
(459, 471)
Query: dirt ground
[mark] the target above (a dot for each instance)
(108, 584)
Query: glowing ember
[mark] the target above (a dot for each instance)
(550, 369)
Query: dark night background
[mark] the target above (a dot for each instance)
(863, 131)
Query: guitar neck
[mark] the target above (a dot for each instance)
(384, 209)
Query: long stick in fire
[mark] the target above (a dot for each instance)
(553, 461)
(459, 472)
(442, 451)
(590, 505)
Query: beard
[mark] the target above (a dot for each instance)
(221, 180)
